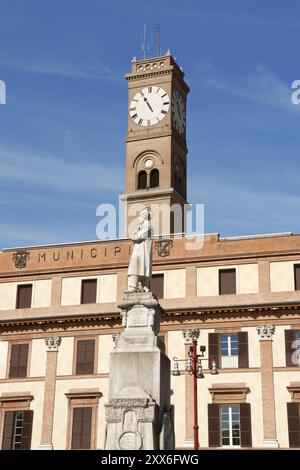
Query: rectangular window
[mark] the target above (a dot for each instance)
(85, 357)
(293, 415)
(89, 291)
(230, 425)
(227, 281)
(229, 350)
(24, 296)
(17, 430)
(297, 276)
(157, 285)
(18, 360)
(297, 347)
(292, 347)
(81, 428)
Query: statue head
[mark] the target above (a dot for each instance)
(145, 214)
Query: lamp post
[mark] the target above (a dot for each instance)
(194, 367)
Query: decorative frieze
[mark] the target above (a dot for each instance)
(143, 409)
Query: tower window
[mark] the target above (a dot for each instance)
(154, 179)
(142, 180)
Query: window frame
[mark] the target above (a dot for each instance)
(228, 344)
(230, 445)
(12, 403)
(156, 274)
(10, 345)
(154, 171)
(85, 338)
(296, 287)
(145, 174)
(225, 269)
(21, 284)
(229, 350)
(83, 399)
(86, 279)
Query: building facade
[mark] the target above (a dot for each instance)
(59, 309)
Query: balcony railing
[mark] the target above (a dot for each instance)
(229, 362)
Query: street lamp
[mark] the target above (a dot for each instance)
(194, 367)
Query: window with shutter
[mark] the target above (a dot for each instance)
(292, 346)
(293, 424)
(243, 349)
(227, 281)
(85, 357)
(18, 360)
(245, 424)
(157, 285)
(89, 291)
(24, 296)
(8, 430)
(297, 276)
(213, 425)
(229, 350)
(17, 430)
(230, 425)
(82, 428)
(213, 349)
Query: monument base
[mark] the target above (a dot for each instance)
(138, 414)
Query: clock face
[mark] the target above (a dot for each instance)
(149, 106)
(178, 112)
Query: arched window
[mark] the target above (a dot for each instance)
(154, 179)
(142, 180)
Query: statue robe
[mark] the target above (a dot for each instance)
(141, 257)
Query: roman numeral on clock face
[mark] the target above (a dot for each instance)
(149, 106)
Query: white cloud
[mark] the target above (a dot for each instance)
(260, 85)
(63, 69)
(17, 235)
(240, 209)
(47, 171)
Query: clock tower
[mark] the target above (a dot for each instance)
(156, 148)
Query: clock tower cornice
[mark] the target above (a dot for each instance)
(156, 67)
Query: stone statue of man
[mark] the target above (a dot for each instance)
(140, 266)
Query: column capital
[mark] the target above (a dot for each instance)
(190, 335)
(52, 343)
(265, 332)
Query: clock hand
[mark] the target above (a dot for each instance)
(145, 99)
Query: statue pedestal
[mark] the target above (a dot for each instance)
(138, 412)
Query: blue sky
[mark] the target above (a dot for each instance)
(62, 131)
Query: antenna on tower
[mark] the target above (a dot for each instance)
(144, 44)
(157, 40)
